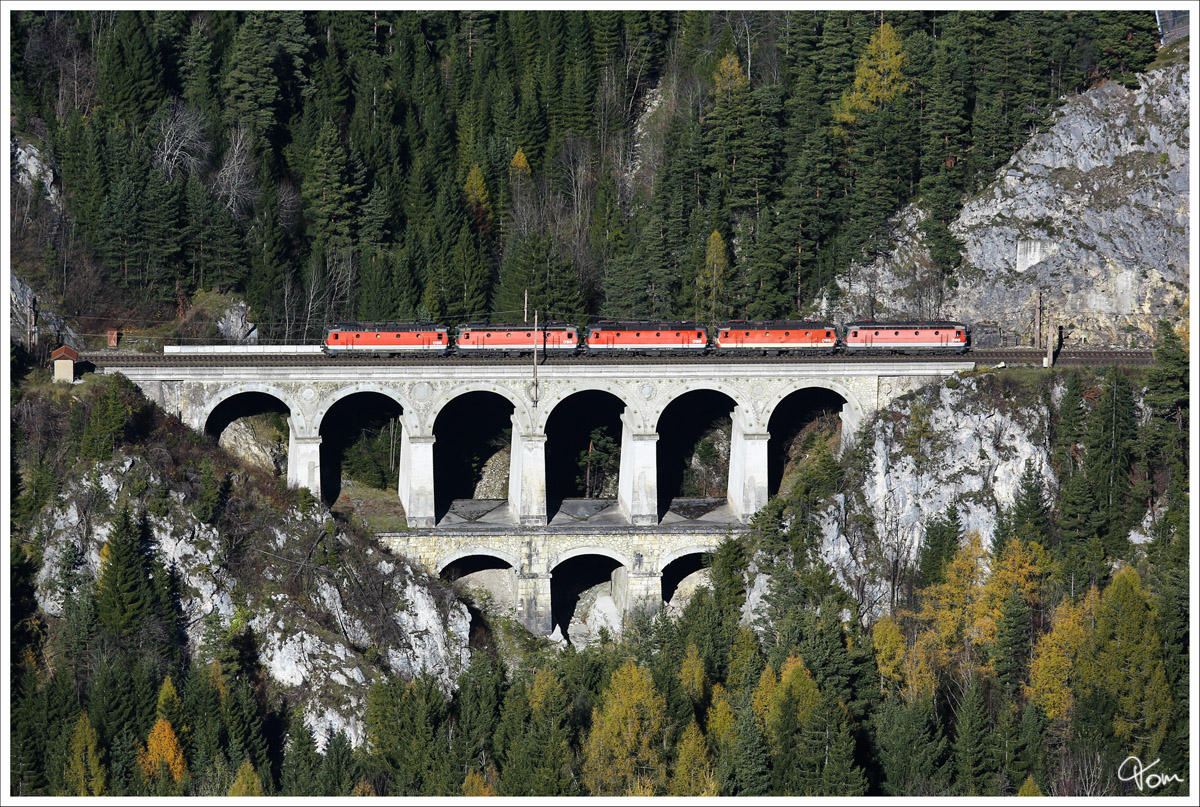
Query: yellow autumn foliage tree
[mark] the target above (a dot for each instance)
(1024, 567)
(1124, 659)
(477, 198)
(692, 676)
(246, 782)
(624, 751)
(796, 686)
(476, 784)
(887, 640)
(162, 752)
(920, 677)
(760, 700)
(1030, 788)
(693, 774)
(878, 77)
(519, 167)
(721, 718)
(85, 773)
(1052, 670)
(954, 613)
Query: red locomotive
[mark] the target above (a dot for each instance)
(647, 337)
(732, 338)
(739, 337)
(934, 336)
(386, 338)
(553, 338)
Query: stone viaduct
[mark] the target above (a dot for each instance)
(640, 546)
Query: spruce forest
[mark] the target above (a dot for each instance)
(328, 166)
(399, 166)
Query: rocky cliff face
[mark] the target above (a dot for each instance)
(329, 612)
(968, 441)
(1093, 213)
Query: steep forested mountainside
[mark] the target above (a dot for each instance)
(393, 165)
(1091, 214)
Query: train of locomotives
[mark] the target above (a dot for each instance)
(734, 338)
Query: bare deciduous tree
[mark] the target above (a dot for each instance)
(289, 203)
(181, 146)
(234, 182)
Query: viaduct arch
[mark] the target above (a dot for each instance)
(641, 546)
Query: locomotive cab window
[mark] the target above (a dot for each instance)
(699, 335)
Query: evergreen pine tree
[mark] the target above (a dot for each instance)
(123, 596)
(973, 757)
(1110, 441)
(301, 762)
(1068, 431)
(912, 749)
(748, 772)
(338, 771)
(827, 748)
(251, 86)
(942, 537)
(1013, 640)
(1030, 760)
(129, 79)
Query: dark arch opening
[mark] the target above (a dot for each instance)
(796, 422)
(360, 440)
(469, 431)
(471, 564)
(693, 448)
(674, 572)
(583, 450)
(575, 577)
(269, 421)
(494, 576)
(244, 404)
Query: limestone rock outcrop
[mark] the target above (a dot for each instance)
(1092, 212)
(362, 614)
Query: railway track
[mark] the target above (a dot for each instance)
(1021, 356)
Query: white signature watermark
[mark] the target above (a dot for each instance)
(1140, 774)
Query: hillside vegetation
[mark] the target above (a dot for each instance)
(397, 165)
